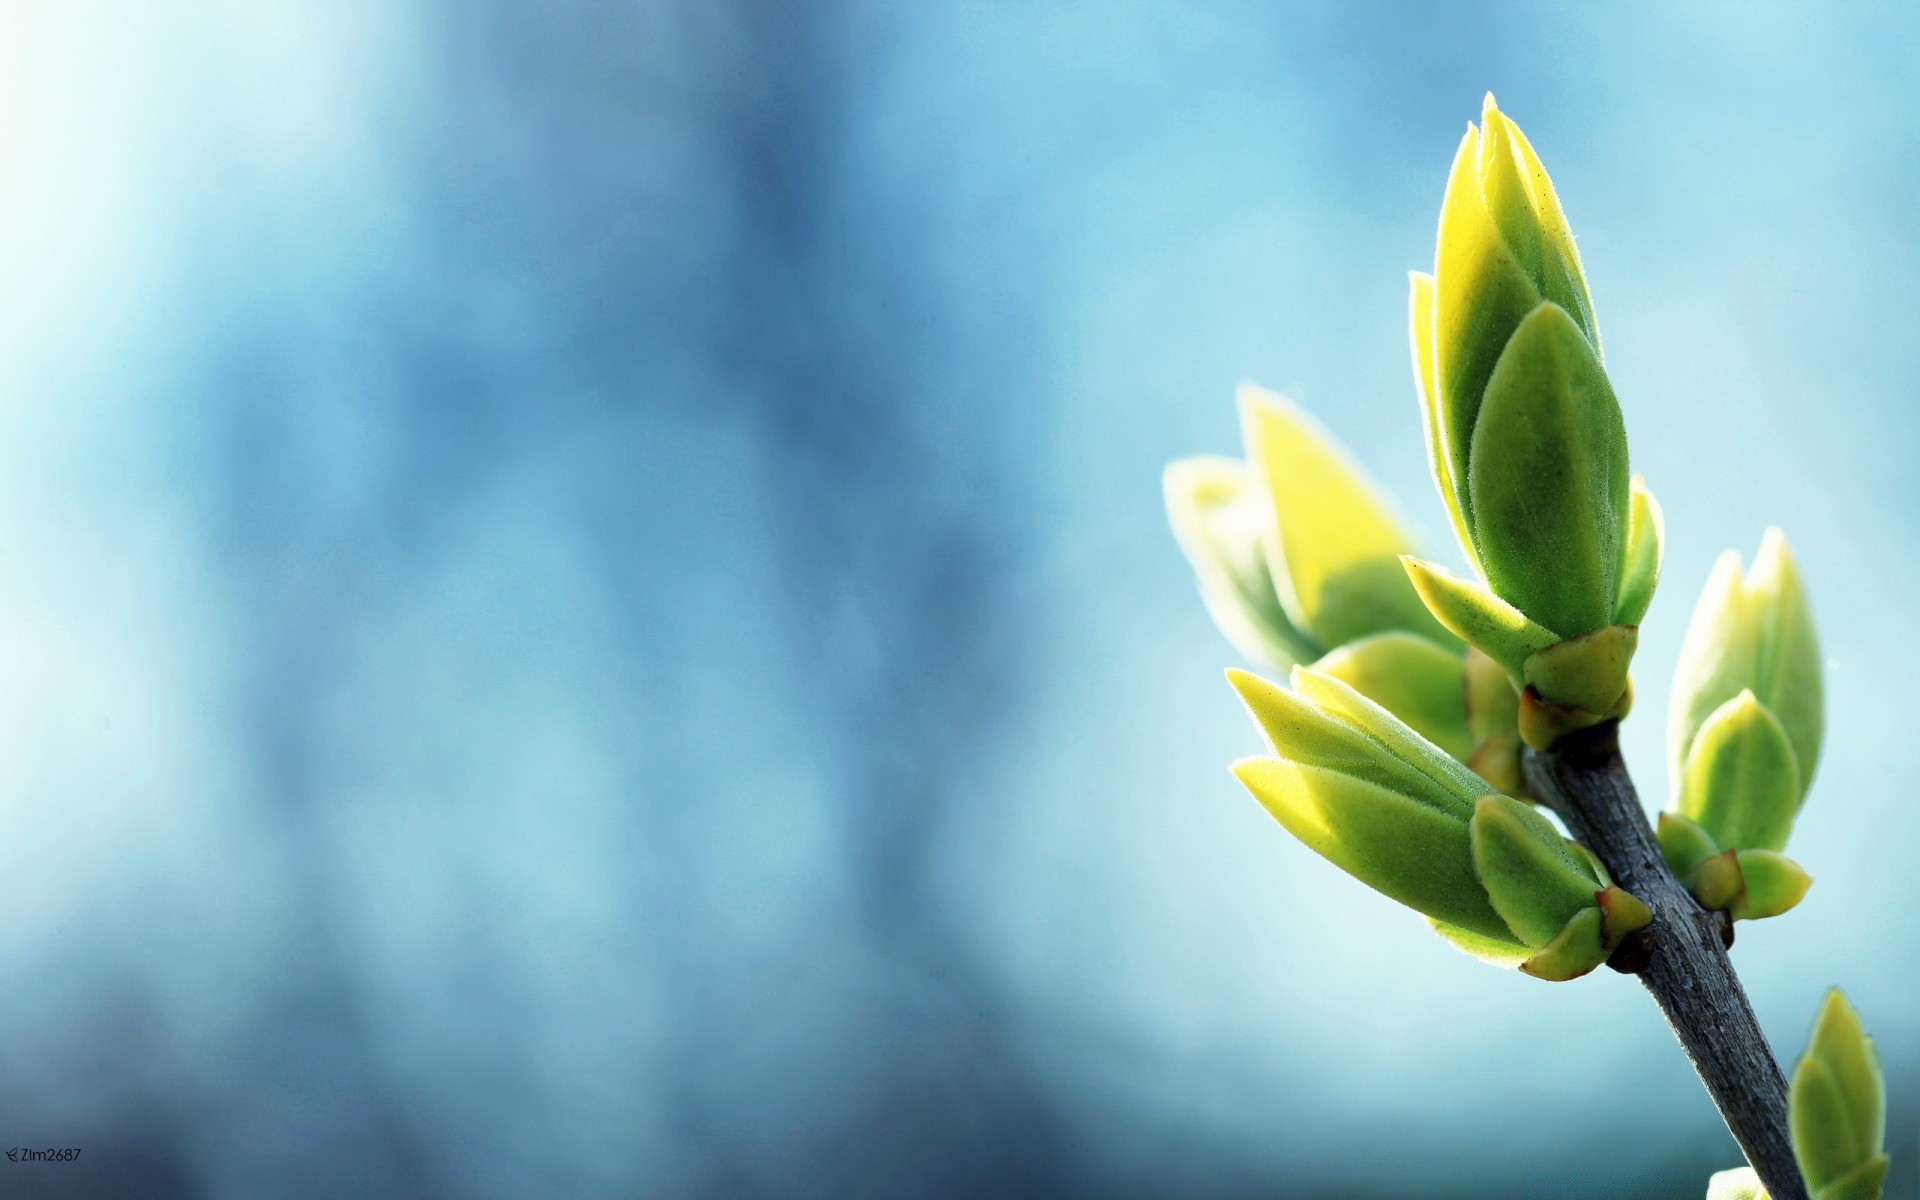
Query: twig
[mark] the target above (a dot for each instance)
(1682, 956)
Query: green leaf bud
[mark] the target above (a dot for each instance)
(1751, 631)
(1335, 538)
(1550, 891)
(1412, 678)
(1523, 433)
(1525, 437)
(1220, 516)
(1373, 796)
(1738, 1184)
(1369, 794)
(1837, 1107)
(1748, 885)
(1742, 783)
(1504, 249)
(1646, 537)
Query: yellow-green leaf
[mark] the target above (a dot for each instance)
(1499, 952)
(1646, 535)
(1401, 742)
(1479, 618)
(1401, 848)
(1412, 678)
(1420, 318)
(1573, 952)
(1298, 728)
(1772, 884)
(1337, 541)
(1532, 879)
(1222, 520)
(1741, 783)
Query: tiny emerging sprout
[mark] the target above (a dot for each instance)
(1527, 444)
(1837, 1107)
(1745, 731)
(1371, 795)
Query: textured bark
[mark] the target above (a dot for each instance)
(1682, 956)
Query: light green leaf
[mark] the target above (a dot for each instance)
(1505, 191)
(1337, 541)
(1412, 678)
(1298, 728)
(1480, 618)
(1438, 461)
(1406, 850)
(1391, 734)
(1741, 783)
(1481, 294)
(1772, 884)
(1646, 537)
(1561, 278)
(1548, 478)
(1222, 521)
(1500, 952)
(1533, 880)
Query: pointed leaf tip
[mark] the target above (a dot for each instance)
(1335, 536)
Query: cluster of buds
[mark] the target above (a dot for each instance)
(1416, 694)
(1837, 1111)
(1398, 756)
(1368, 793)
(1527, 445)
(1744, 732)
(1297, 554)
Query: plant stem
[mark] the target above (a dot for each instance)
(1682, 956)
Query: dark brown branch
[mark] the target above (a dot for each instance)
(1682, 956)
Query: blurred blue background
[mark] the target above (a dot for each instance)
(584, 610)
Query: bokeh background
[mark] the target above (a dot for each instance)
(584, 610)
